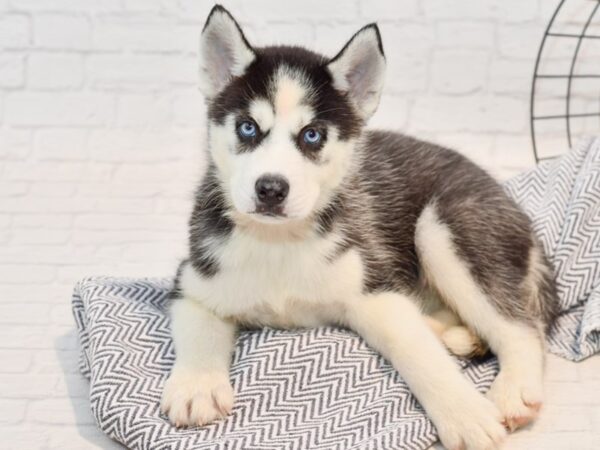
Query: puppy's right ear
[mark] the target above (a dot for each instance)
(224, 51)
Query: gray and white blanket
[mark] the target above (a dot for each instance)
(325, 388)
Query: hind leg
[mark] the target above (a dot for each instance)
(459, 339)
(517, 391)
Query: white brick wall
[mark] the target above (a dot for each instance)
(101, 143)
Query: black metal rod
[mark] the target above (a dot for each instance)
(585, 75)
(546, 158)
(572, 70)
(560, 116)
(584, 36)
(535, 75)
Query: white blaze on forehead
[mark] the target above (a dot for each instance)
(262, 112)
(290, 94)
(289, 108)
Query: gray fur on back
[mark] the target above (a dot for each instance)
(397, 178)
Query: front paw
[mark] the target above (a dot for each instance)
(471, 422)
(518, 397)
(196, 398)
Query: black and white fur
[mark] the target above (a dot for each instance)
(409, 244)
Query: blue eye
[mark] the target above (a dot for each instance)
(247, 129)
(312, 136)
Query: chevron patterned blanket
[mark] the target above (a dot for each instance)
(325, 388)
(563, 199)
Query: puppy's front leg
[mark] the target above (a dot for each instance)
(198, 390)
(393, 325)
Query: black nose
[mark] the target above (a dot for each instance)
(272, 190)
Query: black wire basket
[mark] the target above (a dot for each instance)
(565, 91)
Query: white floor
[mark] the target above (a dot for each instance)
(43, 402)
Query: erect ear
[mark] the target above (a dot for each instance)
(359, 68)
(224, 51)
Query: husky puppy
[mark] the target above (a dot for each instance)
(305, 218)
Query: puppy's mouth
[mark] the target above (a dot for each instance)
(269, 211)
(269, 214)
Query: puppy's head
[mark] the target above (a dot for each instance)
(283, 121)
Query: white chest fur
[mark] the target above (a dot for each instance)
(281, 284)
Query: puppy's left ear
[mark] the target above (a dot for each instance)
(224, 51)
(359, 68)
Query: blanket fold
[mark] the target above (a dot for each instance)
(563, 199)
